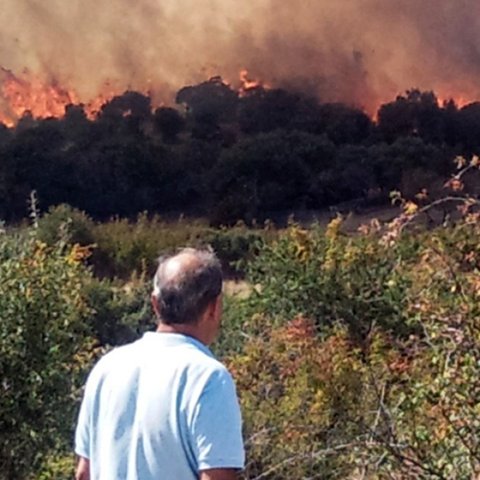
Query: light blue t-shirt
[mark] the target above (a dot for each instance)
(161, 408)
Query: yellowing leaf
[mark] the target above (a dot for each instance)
(410, 208)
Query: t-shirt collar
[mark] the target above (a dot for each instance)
(175, 339)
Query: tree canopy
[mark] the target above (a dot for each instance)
(228, 155)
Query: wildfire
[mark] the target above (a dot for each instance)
(247, 84)
(460, 101)
(94, 106)
(28, 93)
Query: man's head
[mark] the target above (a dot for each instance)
(187, 288)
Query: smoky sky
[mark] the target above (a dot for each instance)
(356, 51)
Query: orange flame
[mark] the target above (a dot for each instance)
(247, 84)
(93, 107)
(28, 93)
(460, 101)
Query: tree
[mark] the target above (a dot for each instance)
(353, 175)
(468, 126)
(128, 112)
(267, 173)
(35, 159)
(396, 165)
(75, 123)
(262, 110)
(169, 123)
(122, 176)
(417, 113)
(344, 124)
(129, 103)
(213, 100)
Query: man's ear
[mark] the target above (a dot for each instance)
(210, 310)
(154, 301)
(217, 306)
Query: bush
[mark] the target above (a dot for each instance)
(124, 247)
(236, 246)
(63, 222)
(300, 398)
(354, 356)
(330, 277)
(377, 374)
(45, 349)
(57, 467)
(121, 312)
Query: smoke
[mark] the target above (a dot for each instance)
(356, 51)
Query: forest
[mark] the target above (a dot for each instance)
(228, 155)
(356, 354)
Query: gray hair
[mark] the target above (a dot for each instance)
(184, 297)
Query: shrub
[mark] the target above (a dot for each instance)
(330, 277)
(236, 246)
(121, 312)
(309, 401)
(324, 396)
(57, 467)
(124, 246)
(63, 222)
(45, 349)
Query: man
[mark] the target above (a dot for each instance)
(163, 408)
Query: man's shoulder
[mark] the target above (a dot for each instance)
(214, 375)
(201, 367)
(203, 362)
(194, 355)
(114, 358)
(215, 369)
(189, 356)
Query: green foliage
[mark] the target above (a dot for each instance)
(57, 467)
(416, 113)
(377, 374)
(355, 356)
(63, 222)
(124, 246)
(437, 412)
(228, 157)
(266, 173)
(169, 123)
(237, 245)
(330, 277)
(235, 325)
(121, 312)
(299, 396)
(44, 349)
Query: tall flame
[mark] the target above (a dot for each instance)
(29, 94)
(247, 83)
(362, 53)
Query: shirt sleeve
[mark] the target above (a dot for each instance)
(217, 425)
(82, 432)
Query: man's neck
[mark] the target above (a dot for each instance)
(188, 330)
